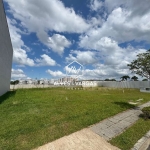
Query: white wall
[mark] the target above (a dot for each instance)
(113, 84)
(125, 84)
(29, 86)
(6, 52)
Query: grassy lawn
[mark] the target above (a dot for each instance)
(128, 139)
(32, 117)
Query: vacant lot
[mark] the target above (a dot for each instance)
(32, 117)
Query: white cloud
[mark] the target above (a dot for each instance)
(119, 27)
(121, 21)
(95, 21)
(105, 43)
(112, 53)
(83, 57)
(126, 21)
(110, 60)
(58, 43)
(55, 73)
(96, 4)
(19, 54)
(46, 51)
(18, 73)
(45, 60)
(138, 8)
(20, 57)
(47, 15)
(102, 71)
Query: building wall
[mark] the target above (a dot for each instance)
(6, 53)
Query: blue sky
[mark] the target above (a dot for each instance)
(103, 35)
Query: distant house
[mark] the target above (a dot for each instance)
(23, 82)
(44, 81)
(30, 81)
(51, 81)
(66, 79)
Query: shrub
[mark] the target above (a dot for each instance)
(146, 112)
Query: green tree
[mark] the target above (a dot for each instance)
(125, 78)
(112, 79)
(141, 65)
(134, 78)
(11, 82)
(16, 82)
(106, 80)
(38, 82)
(145, 80)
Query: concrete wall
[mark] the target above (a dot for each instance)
(125, 84)
(30, 86)
(112, 84)
(6, 52)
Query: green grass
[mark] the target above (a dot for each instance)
(32, 117)
(128, 139)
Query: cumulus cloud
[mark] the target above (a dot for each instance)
(105, 43)
(47, 15)
(108, 59)
(18, 73)
(96, 5)
(113, 23)
(125, 21)
(20, 57)
(95, 21)
(119, 27)
(83, 57)
(45, 60)
(19, 54)
(55, 73)
(137, 9)
(102, 72)
(58, 43)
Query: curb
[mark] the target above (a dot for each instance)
(143, 143)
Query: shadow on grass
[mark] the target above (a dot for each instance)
(124, 105)
(6, 96)
(144, 116)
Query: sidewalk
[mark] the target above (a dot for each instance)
(81, 140)
(113, 126)
(96, 136)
